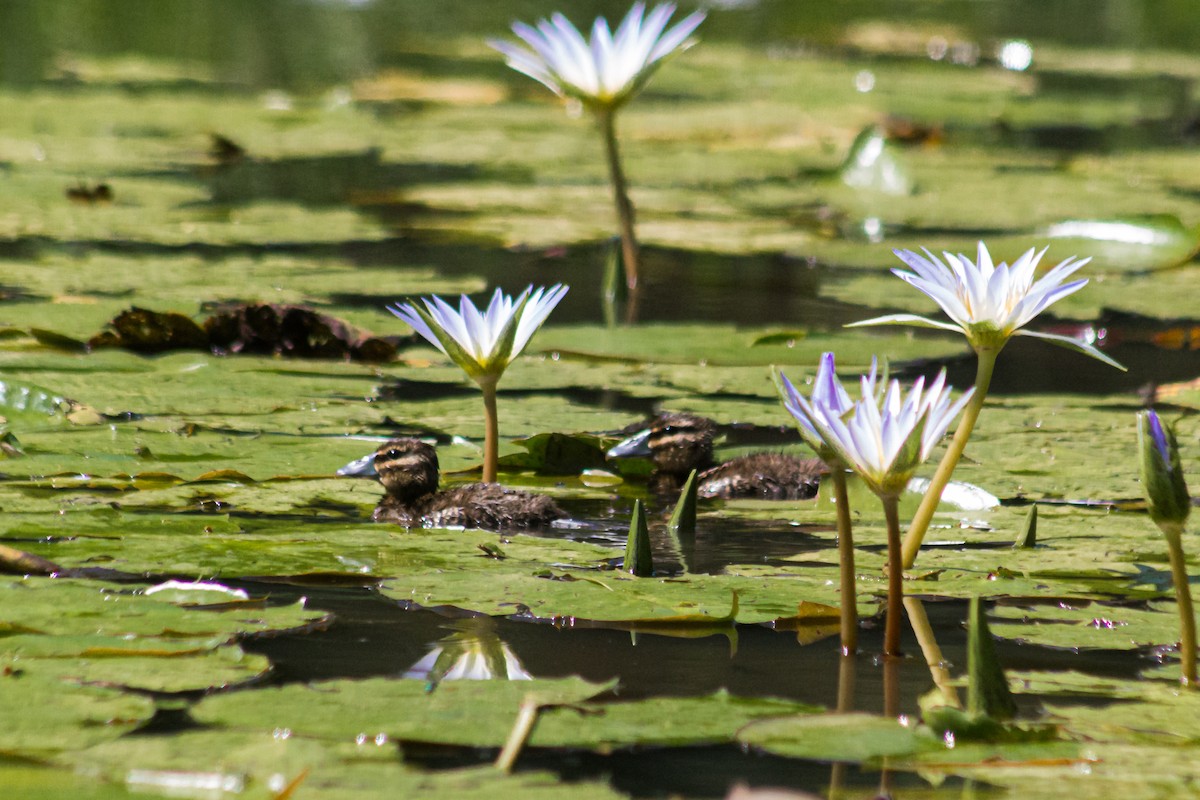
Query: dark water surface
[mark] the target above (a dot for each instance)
(373, 636)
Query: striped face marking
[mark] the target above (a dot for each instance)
(401, 460)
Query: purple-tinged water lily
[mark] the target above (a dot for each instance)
(1170, 505)
(483, 343)
(1162, 474)
(884, 435)
(602, 74)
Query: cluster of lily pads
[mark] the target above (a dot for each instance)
(885, 433)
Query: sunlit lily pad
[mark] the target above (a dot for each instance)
(1134, 243)
(240, 762)
(839, 737)
(48, 715)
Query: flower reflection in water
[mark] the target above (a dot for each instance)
(472, 652)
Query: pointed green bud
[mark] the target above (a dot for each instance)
(987, 688)
(1028, 536)
(638, 558)
(683, 518)
(1162, 475)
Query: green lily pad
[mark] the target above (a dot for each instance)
(839, 737)
(1131, 243)
(48, 715)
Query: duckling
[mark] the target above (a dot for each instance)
(408, 469)
(677, 443)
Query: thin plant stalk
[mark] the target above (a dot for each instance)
(491, 433)
(527, 718)
(845, 703)
(933, 495)
(1183, 599)
(848, 583)
(629, 246)
(895, 601)
(891, 708)
(934, 659)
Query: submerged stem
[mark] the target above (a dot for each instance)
(895, 600)
(933, 495)
(848, 584)
(629, 245)
(1183, 598)
(491, 433)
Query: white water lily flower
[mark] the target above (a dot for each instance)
(989, 303)
(884, 436)
(609, 69)
(482, 343)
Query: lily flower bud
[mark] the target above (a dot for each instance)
(1162, 475)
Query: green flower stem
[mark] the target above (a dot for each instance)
(849, 588)
(895, 600)
(629, 245)
(527, 718)
(934, 659)
(1183, 598)
(491, 434)
(933, 495)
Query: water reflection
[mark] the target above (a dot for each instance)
(472, 652)
(375, 636)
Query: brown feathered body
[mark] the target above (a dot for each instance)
(680, 442)
(408, 470)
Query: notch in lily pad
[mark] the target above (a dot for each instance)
(1028, 535)
(683, 518)
(639, 561)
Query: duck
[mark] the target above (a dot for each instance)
(678, 442)
(409, 471)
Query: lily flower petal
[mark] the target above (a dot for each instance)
(905, 319)
(1074, 344)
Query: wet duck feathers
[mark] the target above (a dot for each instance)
(679, 442)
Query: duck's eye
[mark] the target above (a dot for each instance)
(392, 455)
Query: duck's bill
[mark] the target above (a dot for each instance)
(360, 468)
(636, 445)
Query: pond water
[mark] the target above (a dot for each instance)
(344, 155)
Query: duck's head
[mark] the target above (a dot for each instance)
(407, 468)
(677, 443)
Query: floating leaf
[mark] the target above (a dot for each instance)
(559, 453)
(1130, 243)
(839, 737)
(27, 402)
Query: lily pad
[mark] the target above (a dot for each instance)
(1132, 243)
